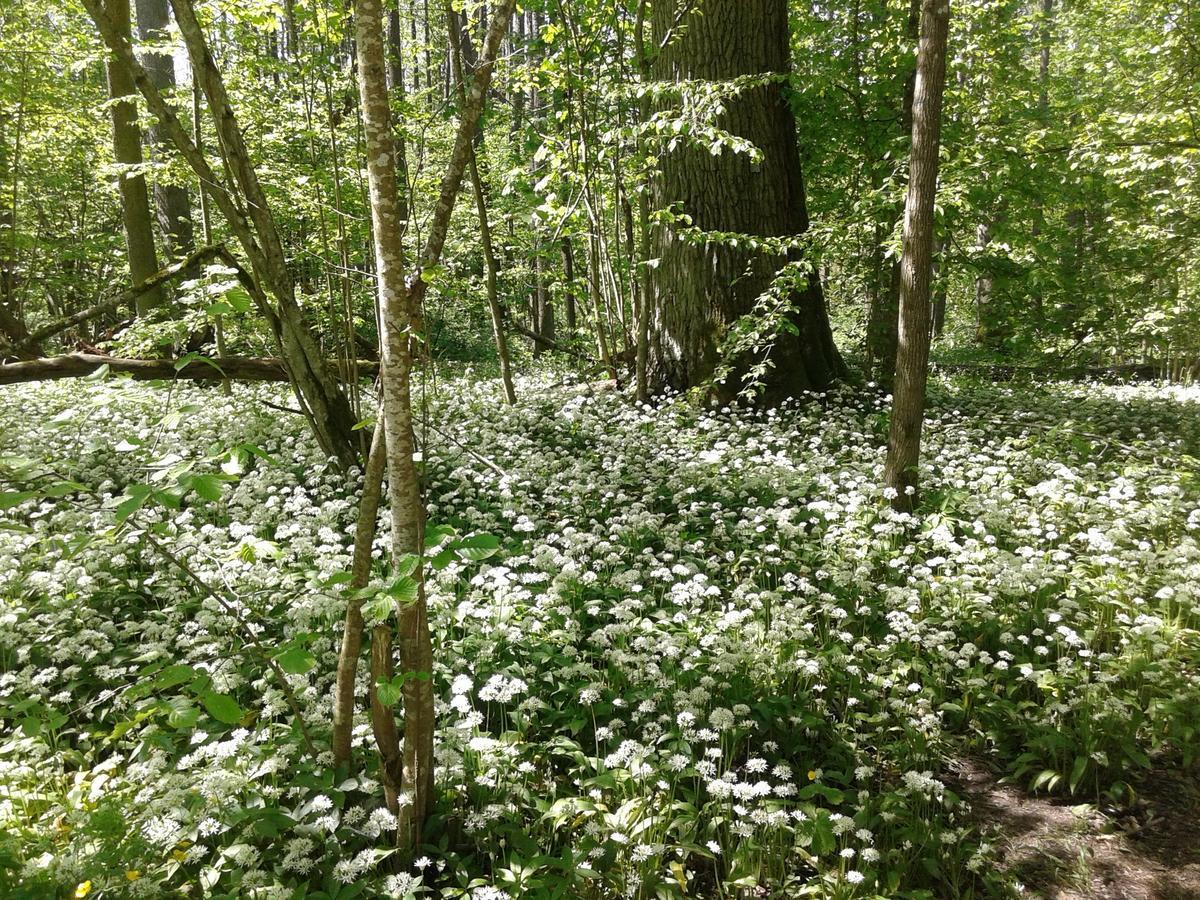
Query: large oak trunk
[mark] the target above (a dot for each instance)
(703, 288)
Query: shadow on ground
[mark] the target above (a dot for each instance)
(1061, 851)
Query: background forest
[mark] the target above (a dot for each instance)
(651, 449)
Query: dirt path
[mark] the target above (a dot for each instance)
(1063, 851)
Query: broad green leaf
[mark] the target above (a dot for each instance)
(208, 487)
(222, 707)
(296, 661)
(477, 547)
(389, 692)
(403, 589)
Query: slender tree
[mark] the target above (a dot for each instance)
(464, 62)
(127, 153)
(399, 305)
(916, 266)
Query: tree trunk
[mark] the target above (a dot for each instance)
(397, 315)
(883, 321)
(399, 312)
(459, 39)
(543, 309)
(568, 256)
(171, 202)
(127, 153)
(352, 630)
(912, 358)
(597, 303)
(702, 289)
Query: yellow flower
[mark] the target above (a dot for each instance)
(812, 774)
(180, 855)
(133, 874)
(83, 889)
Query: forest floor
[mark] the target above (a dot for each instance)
(697, 655)
(1061, 850)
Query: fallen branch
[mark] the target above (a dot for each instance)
(80, 365)
(125, 298)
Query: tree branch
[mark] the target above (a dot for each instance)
(80, 365)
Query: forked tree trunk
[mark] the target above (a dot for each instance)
(249, 217)
(701, 289)
(171, 202)
(399, 305)
(912, 358)
(127, 153)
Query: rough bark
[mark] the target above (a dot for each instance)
(701, 289)
(80, 365)
(172, 205)
(912, 358)
(127, 153)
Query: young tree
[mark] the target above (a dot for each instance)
(127, 153)
(703, 285)
(916, 265)
(399, 303)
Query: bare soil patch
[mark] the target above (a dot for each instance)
(1064, 851)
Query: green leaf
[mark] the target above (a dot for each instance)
(9, 499)
(435, 535)
(222, 707)
(477, 547)
(403, 589)
(389, 692)
(239, 298)
(1077, 772)
(208, 487)
(182, 714)
(441, 560)
(136, 496)
(407, 564)
(188, 358)
(296, 661)
(172, 676)
(379, 609)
